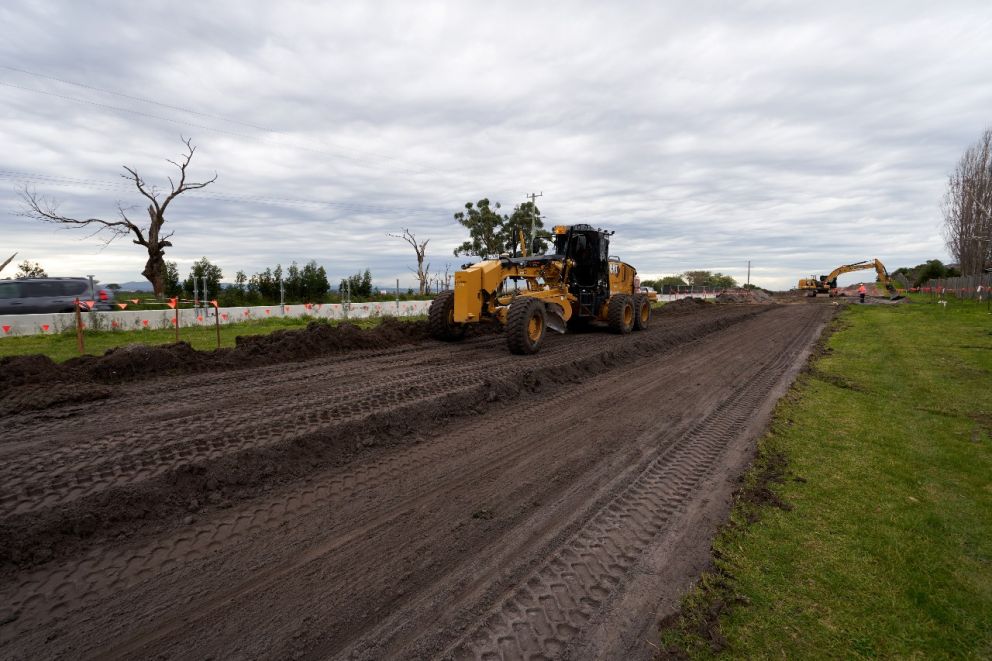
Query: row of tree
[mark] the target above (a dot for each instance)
(967, 208)
(706, 279)
(294, 284)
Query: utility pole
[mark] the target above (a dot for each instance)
(533, 215)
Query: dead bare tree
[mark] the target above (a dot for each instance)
(967, 208)
(7, 261)
(423, 272)
(150, 237)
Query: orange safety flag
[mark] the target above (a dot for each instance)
(90, 304)
(173, 301)
(214, 303)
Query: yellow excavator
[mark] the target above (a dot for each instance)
(827, 284)
(577, 282)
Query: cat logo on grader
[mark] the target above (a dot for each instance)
(577, 282)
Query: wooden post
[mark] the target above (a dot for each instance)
(79, 329)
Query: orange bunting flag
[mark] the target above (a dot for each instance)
(214, 303)
(135, 300)
(122, 306)
(172, 302)
(90, 304)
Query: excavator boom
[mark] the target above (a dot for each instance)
(827, 284)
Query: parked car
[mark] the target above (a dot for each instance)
(46, 295)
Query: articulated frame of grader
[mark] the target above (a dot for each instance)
(576, 283)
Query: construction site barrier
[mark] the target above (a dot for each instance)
(975, 287)
(35, 324)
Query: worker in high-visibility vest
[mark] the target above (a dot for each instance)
(861, 292)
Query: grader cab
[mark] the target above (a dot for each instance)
(575, 283)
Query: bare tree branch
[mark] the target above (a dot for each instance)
(148, 236)
(420, 248)
(8, 261)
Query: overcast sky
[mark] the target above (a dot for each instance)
(799, 136)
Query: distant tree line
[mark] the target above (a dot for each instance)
(918, 275)
(706, 279)
(300, 284)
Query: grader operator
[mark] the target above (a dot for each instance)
(575, 283)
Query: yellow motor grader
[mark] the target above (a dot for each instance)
(575, 283)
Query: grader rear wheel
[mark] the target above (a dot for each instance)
(642, 311)
(526, 325)
(620, 314)
(441, 318)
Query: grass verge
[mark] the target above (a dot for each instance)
(864, 528)
(62, 346)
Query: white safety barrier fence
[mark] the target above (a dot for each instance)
(34, 324)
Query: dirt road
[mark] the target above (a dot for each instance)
(416, 501)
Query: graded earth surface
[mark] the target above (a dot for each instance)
(308, 497)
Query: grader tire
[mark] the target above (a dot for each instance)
(620, 314)
(642, 312)
(526, 325)
(441, 318)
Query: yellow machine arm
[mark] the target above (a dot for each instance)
(880, 270)
(479, 290)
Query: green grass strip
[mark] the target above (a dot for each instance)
(880, 464)
(62, 346)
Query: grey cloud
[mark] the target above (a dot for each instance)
(799, 137)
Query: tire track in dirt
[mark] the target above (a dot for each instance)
(89, 471)
(102, 572)
(542, 615)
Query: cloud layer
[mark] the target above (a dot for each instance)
(797, 138)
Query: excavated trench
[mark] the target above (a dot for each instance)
(330, 494)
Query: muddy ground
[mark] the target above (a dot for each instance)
(388, 497)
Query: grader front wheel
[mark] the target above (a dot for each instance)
(526, 325)
(441, 318)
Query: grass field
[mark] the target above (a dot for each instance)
(865, 526)
(62, 346)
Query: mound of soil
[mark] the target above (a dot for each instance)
(683, 306)
(319, 338)
(36, 382)
(752, 296)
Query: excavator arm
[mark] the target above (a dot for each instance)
(880, 270)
